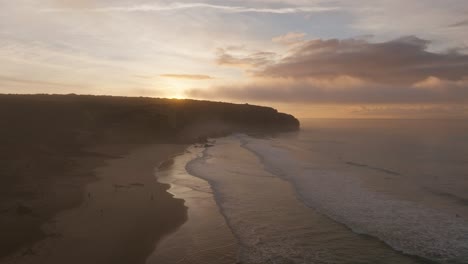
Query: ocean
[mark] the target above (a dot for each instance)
(337, 191)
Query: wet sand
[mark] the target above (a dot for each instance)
(269, 219)
(205, 237)
(49, 152)
(123, 215)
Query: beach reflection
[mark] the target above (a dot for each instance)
(205, 237)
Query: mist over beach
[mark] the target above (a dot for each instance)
(233, 131)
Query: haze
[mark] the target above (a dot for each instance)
(316, 58)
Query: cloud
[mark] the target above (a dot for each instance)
(8, 81)
(413, 111)
(431, 82)
(182, 6)
(338, 90)
(74, 3)
(462, 23)
(249, 60)
(187, 76)
(290, 38)
(400, 62)
(352, 71)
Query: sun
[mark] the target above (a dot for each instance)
(178, 97)
(175, 89)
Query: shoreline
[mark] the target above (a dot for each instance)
(53, 144)
(276, 235)
(122, 216)
(206, 236)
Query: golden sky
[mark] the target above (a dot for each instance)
(312, 58)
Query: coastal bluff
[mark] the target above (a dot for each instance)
(82, 118)
(51, 146)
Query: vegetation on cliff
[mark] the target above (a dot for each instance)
(46, 144)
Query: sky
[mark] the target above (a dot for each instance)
(310, 58)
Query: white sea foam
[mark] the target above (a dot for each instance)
(263, 211)
(405, 225)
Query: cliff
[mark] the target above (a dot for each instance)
(48, 146)
(80, 119)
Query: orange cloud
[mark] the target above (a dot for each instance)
(187, 76)
(403, 61)
(255, 59)
(349, 71)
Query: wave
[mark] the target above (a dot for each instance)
(406, 226)
(373, 168)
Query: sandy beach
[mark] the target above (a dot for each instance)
(205, 237)
(78, 183)
(233, 132)
(123, 214)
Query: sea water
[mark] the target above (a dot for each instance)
(344, 191)
(205, 236)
